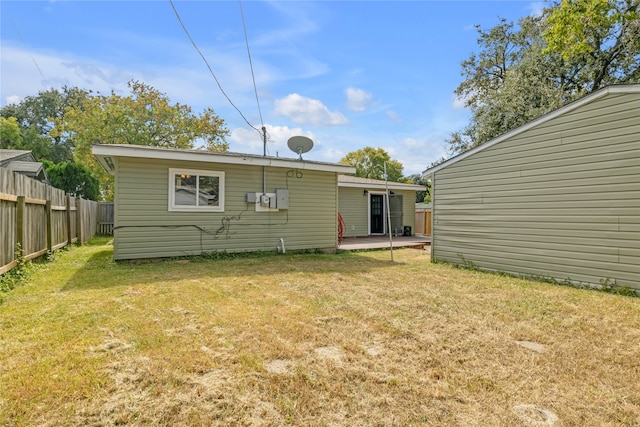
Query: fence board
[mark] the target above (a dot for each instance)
(423, 222)
(46, 218)
(105, 218)
(7, 217)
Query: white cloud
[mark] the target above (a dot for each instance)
(298, 19)
(536, 8)
(12, 99)
(332, 155)
(303, 110)
(357, 99)
(459, 103)
(410, 143)
(21, 77)
(187, 82)
(250, 141)
(393, 116)
(415, 154)
(393, 152)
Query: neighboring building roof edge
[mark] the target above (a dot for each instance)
(9, 155)
(633, 88)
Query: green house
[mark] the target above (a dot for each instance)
(363, 206)
(171, 202)
(558, 197)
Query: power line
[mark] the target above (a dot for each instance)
(15, 27)
(253, 77)
(209, 67)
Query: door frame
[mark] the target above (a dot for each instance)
(384, 212)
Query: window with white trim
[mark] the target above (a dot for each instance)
(196, 190)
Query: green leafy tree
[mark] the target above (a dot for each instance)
(10, 136)
(35, 116)
(144, 117)
(74, 179)
(524, 71)
(369, 163)
(421, 196)
(601, 36)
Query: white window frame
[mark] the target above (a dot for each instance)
(195, 172)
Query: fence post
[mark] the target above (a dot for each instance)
(69, 236)
(79, 221)
(20, 223)
(47, 210)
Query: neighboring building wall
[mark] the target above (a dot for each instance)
(144, 228)
(354, 208)
(560, 200)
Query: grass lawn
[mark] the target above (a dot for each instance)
(311, 340)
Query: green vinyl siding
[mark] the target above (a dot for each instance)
(145, 228)
(560, 200)
(354, 208)
(409, 209)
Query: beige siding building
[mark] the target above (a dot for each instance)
(186, 202)
(558, 197)
(363, 206)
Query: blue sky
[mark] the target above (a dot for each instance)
(346, 74)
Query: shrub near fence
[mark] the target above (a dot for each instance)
(39, 218)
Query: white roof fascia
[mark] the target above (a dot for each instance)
(105, 150)
(635, 88)
(392, 186)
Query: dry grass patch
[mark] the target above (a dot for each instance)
(345, 340)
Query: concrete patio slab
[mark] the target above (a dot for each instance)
(382, 242)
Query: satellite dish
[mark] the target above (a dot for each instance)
(299, 145)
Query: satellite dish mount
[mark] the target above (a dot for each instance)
(299, 145)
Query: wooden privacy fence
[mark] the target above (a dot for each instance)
(38, 218)
(423, 221)
(105, 218)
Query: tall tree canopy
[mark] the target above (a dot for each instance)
(145, 117)
(35, 116)
(10, 136)
(369, 163)
(602, 36)
(524, 71)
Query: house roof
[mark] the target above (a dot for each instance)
(8, 156)
(634, 88)
(357, 182)
(26, 168)
(106, 152)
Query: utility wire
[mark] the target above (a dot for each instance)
(265, 136)
(209, 67)
(15, 27)
(253, 77)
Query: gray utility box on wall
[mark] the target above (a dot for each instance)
(277, 200)
(282, 199)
